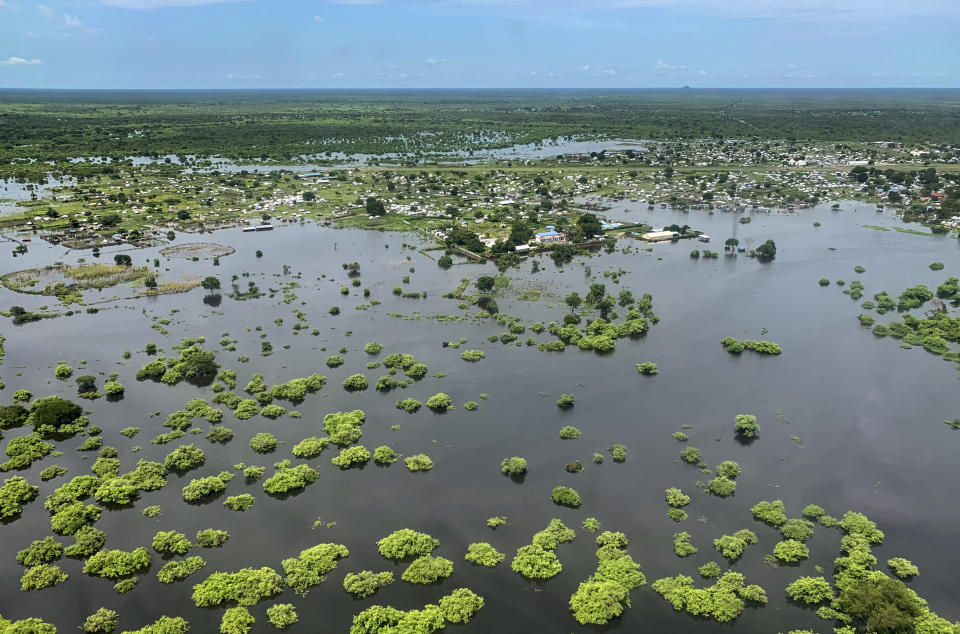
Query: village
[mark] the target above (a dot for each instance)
(141, 204)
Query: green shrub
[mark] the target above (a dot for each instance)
(903, 568)
(171, 543)
(682, 546)
(114, 564)
(514, 466)
(534, 562)
(355, 383)
(460, 606)
(676, 498)
(406, 543)
(427, 569)
(647, 368)
(310, 447)
(349, 456)
(810, 590)
(384, 455)
(409, 405)
(310, 568)
(439, 402)
(288, 479)
(483, 554)
(246, 587)
(732, 546)
(282, 615)
(568, 432)
(418, 462)
(618, 452)
(211, 538)
(180, 569)
(771, 513)
(566, 401)
(264, 442)
(366, 582)
(236, 620)
(472, 355)
(565, 496)
(746, 425)
(103, 621)
(791, 550)
(240, 502)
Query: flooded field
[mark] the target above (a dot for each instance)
(849, 421)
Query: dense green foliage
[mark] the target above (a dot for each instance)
(427, 569)
(244, 587)
(310, 568)
(366, 582)
(114, 564)
(565, 496)
(483, 554)
(406, 543)
(722, 602)
(180, 569)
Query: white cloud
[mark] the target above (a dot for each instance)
(160, 4)
(46, 11)
(662, 66)
(2, 4)
(319, 18)
(702, 73)
(20, 61)
(433, 61)
(73, 22)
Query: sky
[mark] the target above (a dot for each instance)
(479, 43)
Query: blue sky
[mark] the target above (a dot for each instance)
(478, 43)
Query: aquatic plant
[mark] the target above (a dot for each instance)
(180, 569)
(514, 466)
(472, 355)
(103, 621)
(171, 543)
(264, 442)
(288, 479)
(350, 456)
(311, 566)
(483, 554)
(745, 425)
(240, 502)
(566, 401)
(569, 432)
(405, 543)
(565, 496)
(418, 462)
(647, 368)
(114, 564)
(246, 587)
(732, 546)
(427, 569)
(771, 513)
(211, 537)
(722, 602)
(682, 546)
(355, 382)
(439, 402)
(618, 452)
(676, 498)
(903, 568)
(810, 590)
(366, 582)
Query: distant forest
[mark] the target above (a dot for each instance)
(54, 126)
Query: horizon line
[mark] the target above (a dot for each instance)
(483, 88)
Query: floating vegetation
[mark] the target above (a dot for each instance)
(606, 593)
(722, 602)
(733, 346)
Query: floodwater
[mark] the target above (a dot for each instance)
(868, 414)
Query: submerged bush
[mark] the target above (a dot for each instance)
(366, 582)
(288, 479)
(565, 496)
(746, 425)
(282, 615)
(732, 546)
(247, 586)
(569, 432)
(418, 462)
(513, 466)
(356, 383)
(647, 368)
(427, 569)
(310, 568)
(406, 543)
(472, 355)
(439, 402)
(534, 562)
(483, 554)
(810, 590)
(357, 454)
(676, 498)
(566, 401)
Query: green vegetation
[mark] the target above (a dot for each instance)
(236, 620)
(350, 456)
(171, 543)
(384, 455)
(676, 498)
(733, 346)
(618, 452)
(406, 543)
(565, 496)
(427, 569)
(791, 550)
(240, 502)
(355, 383)
(566, 401)
(409, 405)
(309, 447)
(200, 488)
(103, 621)
(732, 546)
(439, 402)
(116, 564)
(810, 590)
(723, 601)
(180, 569)
(568, 432)
(771, 513)
(483, 554)
(472, 355)
(418, 462)
(245, 587)
(746, 425)
(513, 466)
(211, 538)
(903, 568)
(282, 615)
(288, 479)
(682, 546)
(41, 577)
(310, 568)
(709, 570)
(366, 582)
(496, 522)
(647, 368)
